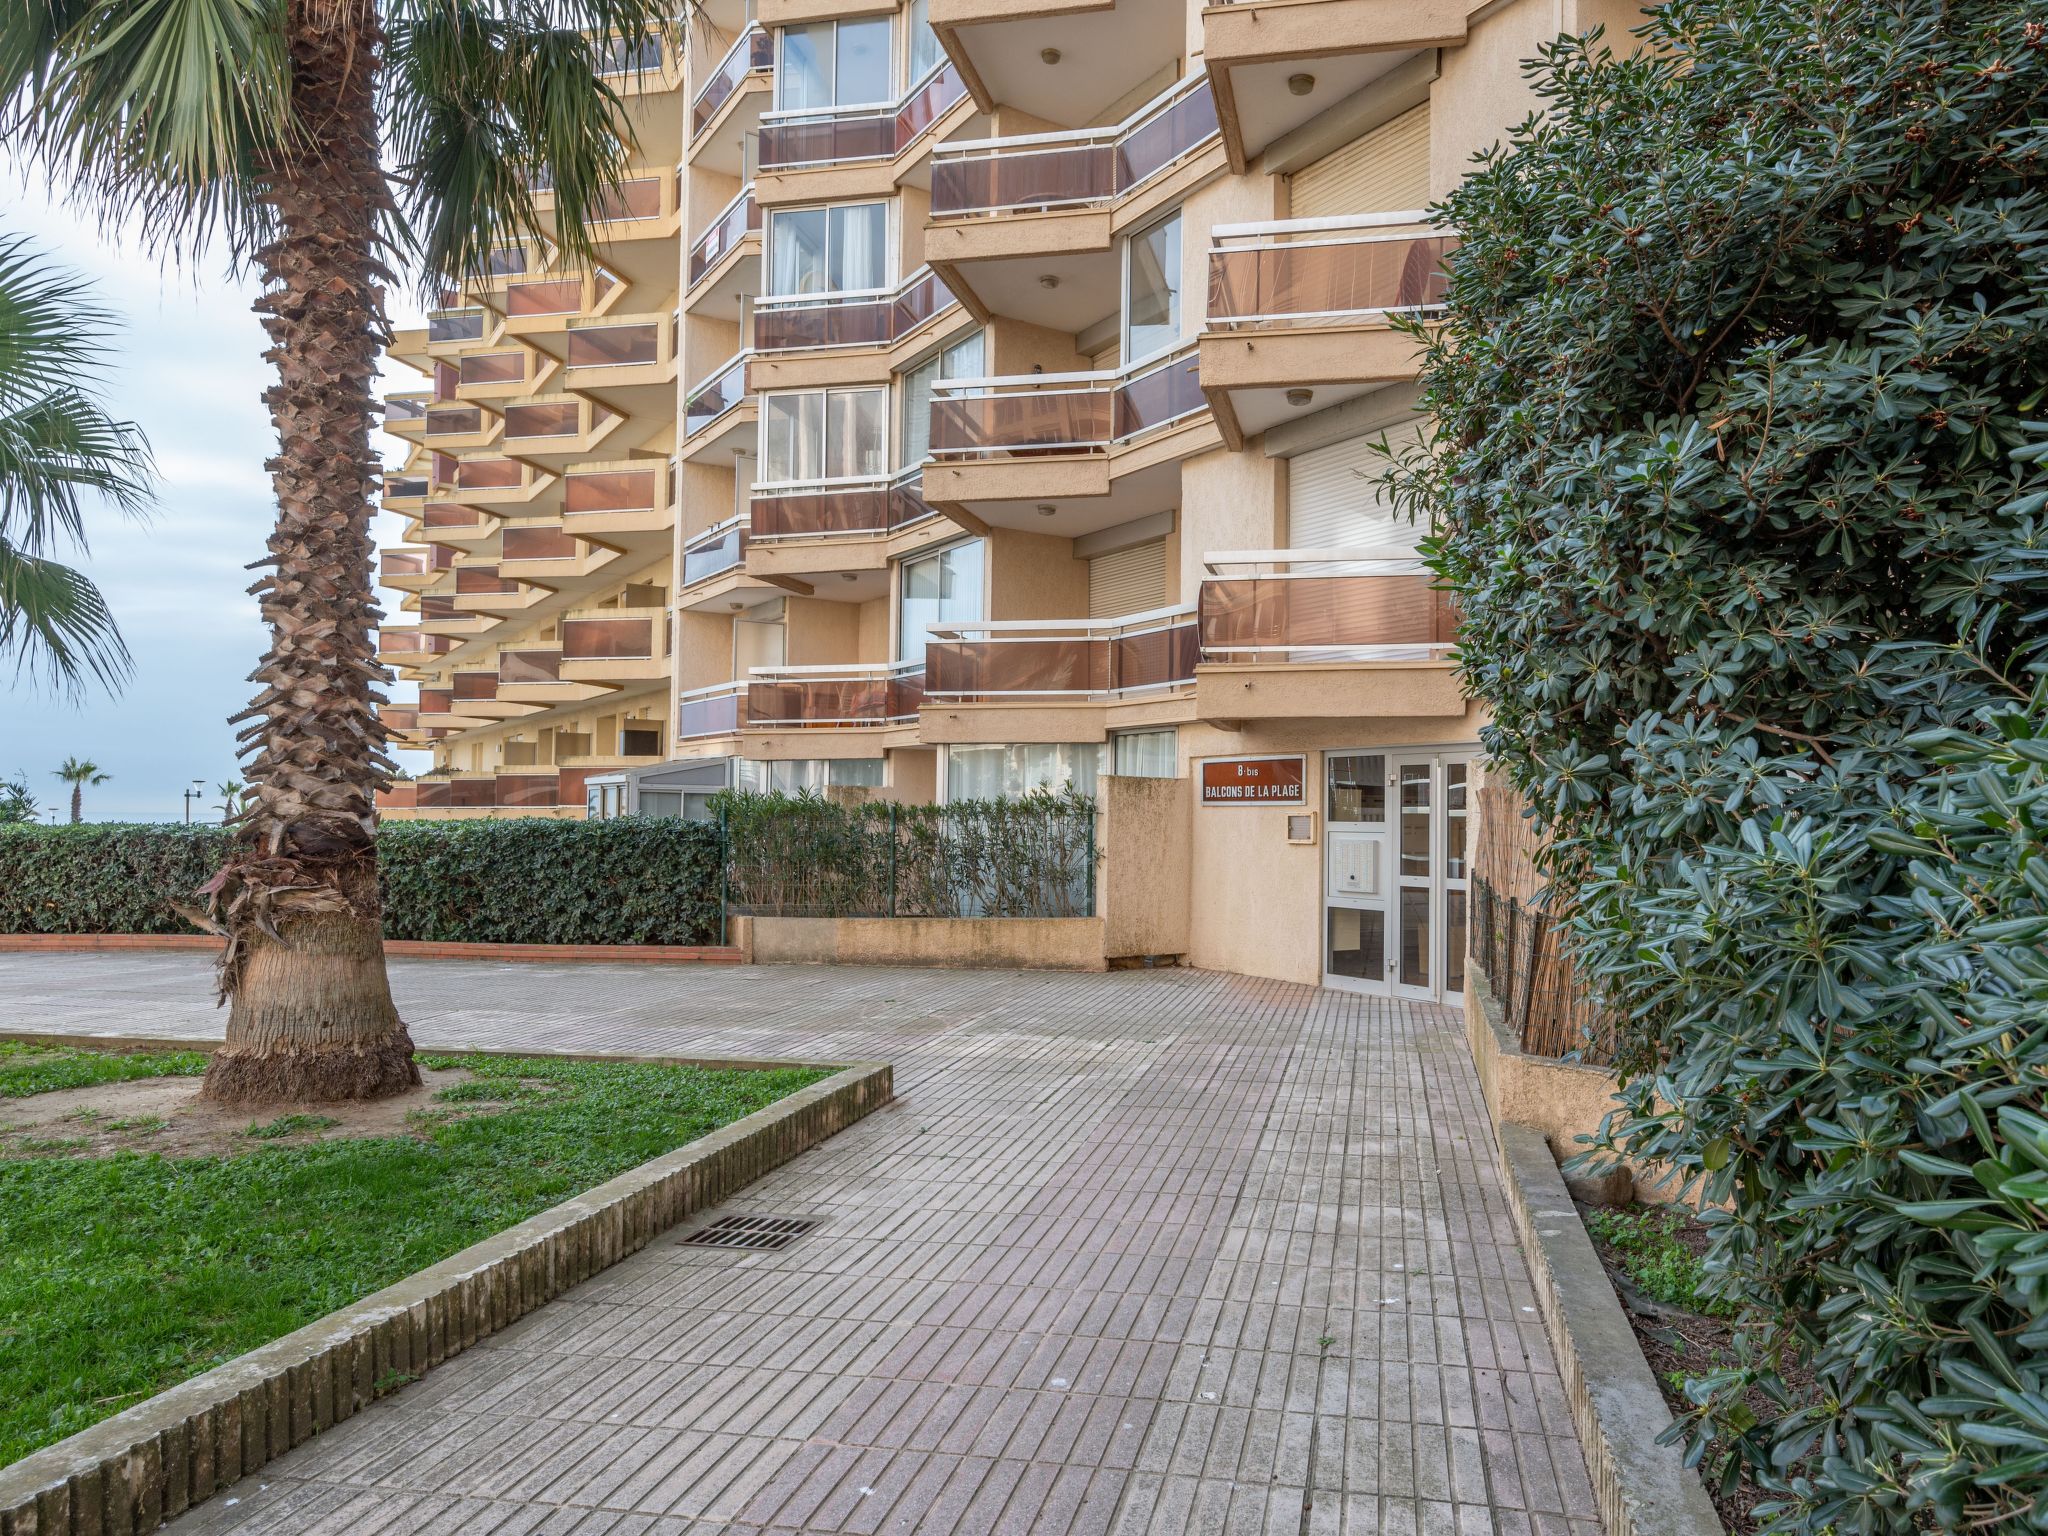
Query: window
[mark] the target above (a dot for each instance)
(962, 360)
(834, 64)
(831, 434)
(1152, 280)
(758, 640)
(1145, 754)
(841, 249)
(1358, 788)
(941, 588)
(925, 53)
(807, 774)
(1004, 772)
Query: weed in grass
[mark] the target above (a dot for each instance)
(139, 1125)
(27, 1069)
(34, 1144)
(1652, 1256)
(290, 1125)
(123, 1276)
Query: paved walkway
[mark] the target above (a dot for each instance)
(1148, 1252)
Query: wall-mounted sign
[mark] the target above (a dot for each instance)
(1253, 780)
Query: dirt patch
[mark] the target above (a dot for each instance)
(166, 1115)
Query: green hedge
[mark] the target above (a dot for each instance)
(633, 881)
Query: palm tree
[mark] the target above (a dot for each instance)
(58, 446)
(257, 122)
(230, 798)
(79, 772)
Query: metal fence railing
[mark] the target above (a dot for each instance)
(1526, 958)
(804, 856)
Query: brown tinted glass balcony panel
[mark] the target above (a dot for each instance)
(1094, 168)
(979, 668)
(538, 544)
(450, 421)
(410, 642)
(638, 199)
(494, 368)
(1155, 658)
(715, 715)
(556, 296)
(405, 720)
(506, 261)
(641, 742)
(631, 56)
(398, 409)
(432, 794)
(436, 610)
(543, 666)
(834, 701)
(490, 475)
(1158, 396)
(469, 687)
(449, 517)
(859, 509)
(741, 218)
(715, 397)
(528, 790)
(558, 419)
(822, 140)
(1246, 614)
(404, 562)
(607, 639)
(753, 52)
(437, 701)
(456, 325)
(1052, 422)
(712, 556)
(482, 580)
(404, 487)
(610, 346)
(625, 490)
(1314, 282)
(879, 321)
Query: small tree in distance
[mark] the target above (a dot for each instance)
(1739, 485)
(79, 772)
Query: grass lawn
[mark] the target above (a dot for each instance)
(123, 1275)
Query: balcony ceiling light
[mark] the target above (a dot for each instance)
(1049, 55)
(1300, 396)
(848, 576)
(1301, 85)
(1047, 280)
(1046, 509)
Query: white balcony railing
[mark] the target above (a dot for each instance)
(1062, 412)
(1063, 658)
(1292, 272)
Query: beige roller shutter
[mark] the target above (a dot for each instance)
(1384, 171)
(1336, 497)
(1129, 581)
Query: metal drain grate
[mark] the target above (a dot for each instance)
(754, 1232)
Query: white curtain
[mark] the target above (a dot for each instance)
(1146, 754)
(1005, 772)
(803, 77)
(925, 53)
(859, 254)
(797, 251)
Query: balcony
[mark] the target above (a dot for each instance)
(997, 45)
(626, 362)
(1278, 63)
(1037, 660)
(493, 481)
(412, 647)
(851, 530)
(621, 497)
(448, 328)
(730, 248)
(451, 428)
(554, 430)
(410, 570)
(1067, 453)
(812, 698)
(404, 493)
(820, 322)
(718, 549)
(501, 791)
(495, 375)
(727, 111)
(613, 645)
(1323, 634)
(833, 509)
(719, 414)
(536, 306)
(452, 525)
(404, 415)
(833, 137)
(1301, 312)
(707, 712)
(1009, 213)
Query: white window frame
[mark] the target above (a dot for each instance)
(899, 390)
(887, 287)
(896, 55)
(825, 418)
(901, 571)
(1127, 364)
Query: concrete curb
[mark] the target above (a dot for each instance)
(129, 1474)
(400, 949)
(1644, 1489)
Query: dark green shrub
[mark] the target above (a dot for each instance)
(1739, 487)
(805, 856)
(633, 881)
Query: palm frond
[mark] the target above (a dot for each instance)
(489, 99)
(156, 111)
(56, 625)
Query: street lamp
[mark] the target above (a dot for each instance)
(196, 792)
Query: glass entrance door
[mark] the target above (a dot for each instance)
(1395, 873)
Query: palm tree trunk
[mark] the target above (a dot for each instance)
(77, 802)
(312, 1015)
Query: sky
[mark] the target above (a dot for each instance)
(187, 367)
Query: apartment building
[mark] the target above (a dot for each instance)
(1034, 363)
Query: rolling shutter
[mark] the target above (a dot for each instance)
(1335, 496)
(1129, 581)
(1384, 171)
